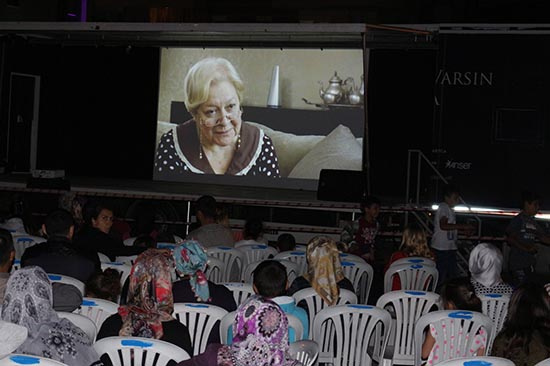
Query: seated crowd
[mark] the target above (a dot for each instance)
(261, 334)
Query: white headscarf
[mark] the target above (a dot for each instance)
(486, 264)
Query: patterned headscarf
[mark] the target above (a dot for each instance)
(486, 264)
(191, 260)
(324, 268)
(260, 336)
(28, 302)
(150, 301)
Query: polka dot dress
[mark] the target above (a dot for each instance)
(444, 347)
(168, 160)
(502, 288)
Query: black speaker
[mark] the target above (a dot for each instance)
(341, 185)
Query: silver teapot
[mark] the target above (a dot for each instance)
(334, 92)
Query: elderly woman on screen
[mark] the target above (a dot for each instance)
(216, 140)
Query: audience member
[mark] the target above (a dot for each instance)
(58, 254)
(270, 281)
(150, 304)
(361, 235)
(252, 233)
(446, 233)
(260, 339)
(485, 268)
(166, 237)
(456, 294)
(104, 285)
(11, 337)
(144, 223)
(7, 255)
(286, 242)
(525, 337)
(522, 234)
(210, 233)
(48, 335)
(94, 237)
(145, 241)
(413, 244)
(324, 271)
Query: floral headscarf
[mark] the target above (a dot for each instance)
(29, 302)
(150, 301)
(260, 336)
(324, 268)
(191, 260)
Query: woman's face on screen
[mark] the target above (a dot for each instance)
(220, 116)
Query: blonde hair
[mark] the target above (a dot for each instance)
(415, 243)
(202, 75)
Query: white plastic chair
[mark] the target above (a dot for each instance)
(297, 257)
(495, 306)
(16, 265)
(68, 280)
(124, 269)
(456, 330)
(199, 318)
(414, 260)
(233, 260)
(351, 334)
(103, 258)
(406, 307)
(304, 351)
(22, 242)
(300, 247)
(130, 241)
(414, 277)
(86, 324)
(544, 362)
(127, 259)
(292, 270)
(97, 310)
(228, 319)
(315, 303)
(256, 253)
(478, 361)
(139, 351)
(241, 291)
(361, 275)
(215, 270)
(351, 258)
(19, 359)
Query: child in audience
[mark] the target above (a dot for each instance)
(413, 244)
(456, 294)
(525, 337)
(252, 233)
(104, 285)
(362, 234)
(286, 242)
(485, 268)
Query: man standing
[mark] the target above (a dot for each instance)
(210, 233)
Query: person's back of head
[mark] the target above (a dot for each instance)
(145, 241)
(165, 237)
(414, 242)
(270, 279)
(59, 223)
(253, 229)
(206, 205)
(459, 294)
(286, 242)
(485, 264)
(104, 285)
(7, 251)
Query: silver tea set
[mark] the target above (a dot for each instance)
(341, 91)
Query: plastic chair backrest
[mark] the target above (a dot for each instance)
(456, 330)
(414, 277)
(478, 361)
(127, 259)
(124, 270)
(361, 275)
(103, 258)
(351, 258)
(315, 303)
(19, 359)
(233, 260)
(215, 270)
(68, 280)
(414, 260)
(199, 319)
(304, 351)
(16, 265)
(407, 307)
(346, 334)
(241, 291)
(495, 306)
(297, 257)
(257, 253)
(130, 241)
(545, 362)
(22, 242)
(139, 351)
(97, 310)
(292, 270)
(86, 324)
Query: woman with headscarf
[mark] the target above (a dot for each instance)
(28, 302)
(324, 271)
(149, 307)
(485, 269)
(260, 339)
